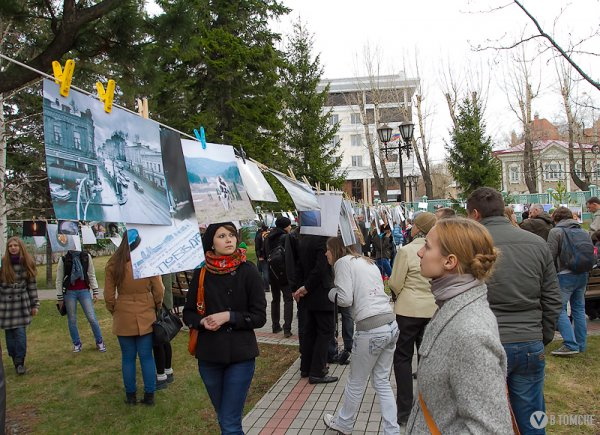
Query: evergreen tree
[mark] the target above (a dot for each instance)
(470, 158)
(308, 135)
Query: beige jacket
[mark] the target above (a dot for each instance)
(134, 303)
(413, 291)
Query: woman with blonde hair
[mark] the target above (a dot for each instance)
(133, 304)
(510, 214)
(358, 285)
(18, 299)
(462, 366)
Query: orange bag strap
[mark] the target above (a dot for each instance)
(428, 418)
(200, 307)
(513, 419)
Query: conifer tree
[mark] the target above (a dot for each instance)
(470, 158)
(308, 135)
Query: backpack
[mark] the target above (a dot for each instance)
(276, 261)
(577, 250)
(68, 266)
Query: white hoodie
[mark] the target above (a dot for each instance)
(358, 284)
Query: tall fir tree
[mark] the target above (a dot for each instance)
(308, 135)
(470, 158)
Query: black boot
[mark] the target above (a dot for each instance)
(130, 399)
(148, 399)
(19, 366)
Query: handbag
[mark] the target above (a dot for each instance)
(62, 308)
(201, 309)
(166, 326)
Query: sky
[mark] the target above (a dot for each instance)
(443, 35)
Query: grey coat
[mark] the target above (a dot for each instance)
(462, 370)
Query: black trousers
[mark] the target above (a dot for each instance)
(162, 357)
(2, 395)
(411, 333)
(277, 290)
(318, 333)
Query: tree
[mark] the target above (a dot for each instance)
(215, 64)
(308, 135)
(470, 157)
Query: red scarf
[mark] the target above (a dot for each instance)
(222, 264)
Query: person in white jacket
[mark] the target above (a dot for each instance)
(358, 285)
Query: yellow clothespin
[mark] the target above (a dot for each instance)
(108, 95)
(63, 77)
(142, 104)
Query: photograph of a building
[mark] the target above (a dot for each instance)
(102, 167)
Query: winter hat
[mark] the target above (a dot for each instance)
(283, 222)
(425, 221)
(209, 234)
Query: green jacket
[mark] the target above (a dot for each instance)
(523, 291)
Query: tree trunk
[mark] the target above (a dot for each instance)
(3, 220)
(423, 161)
(571, 123)
(49, 283)
(528, 159)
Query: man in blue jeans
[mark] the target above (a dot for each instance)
(75, 277)
(524, 295)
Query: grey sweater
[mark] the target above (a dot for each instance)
(523, 291)
(462, 370)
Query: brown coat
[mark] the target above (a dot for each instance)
(133, 305)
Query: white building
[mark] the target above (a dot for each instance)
(392, 96)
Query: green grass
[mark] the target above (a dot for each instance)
(99, 265)
(572, 387)
(64, 392)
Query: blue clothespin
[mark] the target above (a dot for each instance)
(201, 137)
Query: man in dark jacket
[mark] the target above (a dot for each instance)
(315, 280)
(524, 295)
(539, 222)
(259, 246)
(278, 277)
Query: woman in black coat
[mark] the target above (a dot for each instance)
(234, 305)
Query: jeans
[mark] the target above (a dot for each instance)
(16, 344)
(384, 266)
(277, 290)
(347, 333)
(227, 386)
(526, 363)
(131, 346)
(85, 299)
(263, 268)
(572, 289)
(411, 333)
(372, 355)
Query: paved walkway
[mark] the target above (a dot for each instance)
(293, 406)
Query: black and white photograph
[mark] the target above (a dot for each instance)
(87, 235)
(62, 242)
(301, 193)
(255, 182)
(348, 227)
(217, 189)
(102, 166)
(70, 228)
(163, 249)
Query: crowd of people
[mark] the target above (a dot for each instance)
(477, 297)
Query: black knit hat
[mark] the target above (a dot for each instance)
(209, 234)
(283, 222)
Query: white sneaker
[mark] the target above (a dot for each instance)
(77, 348)
(328, 420)
(101, 346)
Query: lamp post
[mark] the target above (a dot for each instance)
(406, 132)
(412, 181)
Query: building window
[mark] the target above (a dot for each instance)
(514, 173)
(334, 119)
(357, 191)
(553, 171)
(578, 170)
(356, 140)
(355, 118)
(356, 160)
(57, 135)
(335, 141)
(77, 140)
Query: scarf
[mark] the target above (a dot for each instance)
(448, 286)
(76, 269)
(15, 259)
(222, 264)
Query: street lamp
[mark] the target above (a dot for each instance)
(412, 181)
(406, 132)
